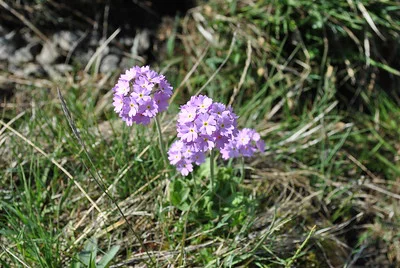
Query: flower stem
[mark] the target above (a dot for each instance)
(161, 142)
(241, 169)
(212, 155)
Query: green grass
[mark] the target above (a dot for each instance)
(325, 193)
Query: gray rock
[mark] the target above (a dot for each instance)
(66, 39)
(7, 45)
(51, 71)
(30, 69)
(63, 68)
(48, 54)
(109, 63)
(29, 37)
(126, 41)
(21, 55)
(126, 63)
(82, 57)
(141, 43)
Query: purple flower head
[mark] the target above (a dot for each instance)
(246, 143)
(204, 125)
(140, 94)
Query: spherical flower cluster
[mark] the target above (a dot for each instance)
(204, 125)
(140, 94)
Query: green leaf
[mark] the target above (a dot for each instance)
(106, 259)
(88, 255)
(385, 67)
(179, 193)
(75, 265)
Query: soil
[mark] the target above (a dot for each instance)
(46, 39)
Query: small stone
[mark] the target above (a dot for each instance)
(21, 55)
(82, 57)
(66, 39)
(30, 69)
(141, 43)
(51, 71)
(126, 41)
(126, 63)
(109, 63)
(49, 54)
(7, 45)
(63, 68)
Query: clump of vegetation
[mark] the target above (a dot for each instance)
(318, 81)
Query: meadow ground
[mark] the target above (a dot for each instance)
(319, 80)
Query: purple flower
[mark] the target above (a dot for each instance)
(199, 157)
(149, 108)
(185, 168)
(205, 143)
(243, 137)
(188, 132)
(122, 87)
(140, 94)
(225, 124)
(161, 100)
(220, 141)
(141, 119)
(130, 74)
(204, 125)
(187, 114)
(133, 107)
(175, 152)
(118, 103)
(245, 143)
(229, 151)
(165, 87)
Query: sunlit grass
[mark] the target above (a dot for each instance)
(325, 193)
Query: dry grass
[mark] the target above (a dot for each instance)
(324, 194)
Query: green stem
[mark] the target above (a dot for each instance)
(241, 169)
(212, 169)
(161, 142)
